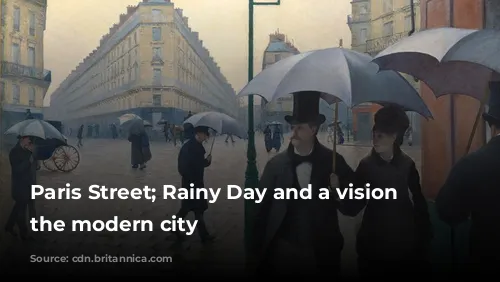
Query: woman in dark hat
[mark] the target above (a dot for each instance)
(268, 138)
(395, 233)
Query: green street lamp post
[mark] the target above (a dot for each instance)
(251, 173)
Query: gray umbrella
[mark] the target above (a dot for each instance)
(448, 60)
(221, 123)
(36, 128)
(338, 74)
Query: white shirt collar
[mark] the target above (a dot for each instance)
(296, 152)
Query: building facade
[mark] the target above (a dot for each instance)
(151, 64)
(375, 25)
(277, 49)
(23, 79)
(359, 24)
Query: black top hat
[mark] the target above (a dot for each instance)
(493, 114)
(306, 108)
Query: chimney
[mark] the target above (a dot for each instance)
(122, 18)
(180, 12)
(186, 20)
(130, 9)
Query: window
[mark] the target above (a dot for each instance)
(32, 23)
(16, 54)
(17, 18)
(388, 29)
(156, 15)
(363, 10)
(16, 94)
(387, 6)
(2, 91)
(4, 14)
(277, 57)
(157, 76)
(31, 56)
(362, 36)
(156, 33)
(31, 95)
(157, 53)
(157, 100)
(407, 23)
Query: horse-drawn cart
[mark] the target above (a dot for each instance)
(57, 155)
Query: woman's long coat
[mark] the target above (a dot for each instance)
(137, 156)
(23, 173)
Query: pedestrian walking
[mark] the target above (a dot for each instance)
(23, 176)
(301, 237)
(79, 136)
(229, 136)
(268, 138)
(395, 234)
(191, 167)
(471, 192)
(136, 138)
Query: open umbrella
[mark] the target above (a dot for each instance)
(36, 128)
(219, 122)
(339, 75)
(449, 61)
(135, 126)
(128, 118)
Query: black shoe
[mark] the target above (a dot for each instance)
(207, 239)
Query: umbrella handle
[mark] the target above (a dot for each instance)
(476, 122)
(212, 146)
(335, 119)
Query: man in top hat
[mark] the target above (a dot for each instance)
(301, 237)
(473, 190)
(191, 166)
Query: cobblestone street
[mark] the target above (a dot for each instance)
(107, 162)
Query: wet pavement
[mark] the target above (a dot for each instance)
(107, 162)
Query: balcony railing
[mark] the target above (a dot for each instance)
(376, 45)
(17, 70)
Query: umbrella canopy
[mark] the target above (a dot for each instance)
(221, 123)
(128, 118)
(448, 60)
(135, 126)
(339, 74)
(36, 128)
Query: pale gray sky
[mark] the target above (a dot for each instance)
(74, 28)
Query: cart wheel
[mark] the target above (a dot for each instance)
(66, 158)
(50, 164)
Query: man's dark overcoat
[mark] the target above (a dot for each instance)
(191, 166)
(473, 190)
(279, 173)
(23, 173)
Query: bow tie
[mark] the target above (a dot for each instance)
(298, 159)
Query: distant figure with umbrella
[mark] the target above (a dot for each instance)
(301, 236)
(331, 132)
(23, 175)
(191, 167)
(404, 241)
(114, 131)
(137, 135)
(268, 138)
(471, 192)
(79, 136)
(277, 139)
